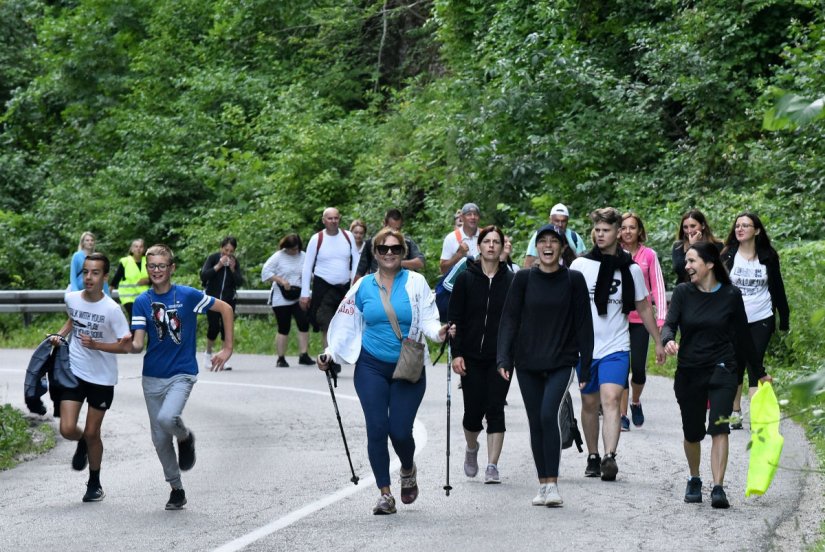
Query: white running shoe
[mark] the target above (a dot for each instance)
(541, 497)
(471, 462)
(207, 361)
(552, 498)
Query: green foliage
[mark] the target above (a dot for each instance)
(20, 438)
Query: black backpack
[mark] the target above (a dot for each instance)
(569, 426)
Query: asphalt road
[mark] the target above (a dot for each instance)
(271, 474)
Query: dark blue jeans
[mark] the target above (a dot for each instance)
(389, 408)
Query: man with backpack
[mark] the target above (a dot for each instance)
(559, 216)
(329, 266)
(459, 245)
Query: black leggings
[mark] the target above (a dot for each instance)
(215, 323)
(484, 393)
(542, 393)
(639, 343)
(284, 315)
(761, 332)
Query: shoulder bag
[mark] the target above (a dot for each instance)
(410, 363)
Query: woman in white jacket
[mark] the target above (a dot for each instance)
(361, 334)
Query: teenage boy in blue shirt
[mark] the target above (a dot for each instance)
(168, 312)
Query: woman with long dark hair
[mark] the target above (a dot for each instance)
(693, 228)
(753, 265)
(709, 313)
(475, 308)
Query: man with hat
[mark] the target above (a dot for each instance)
(559, 215)
(461, 242)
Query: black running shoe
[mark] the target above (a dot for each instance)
(306, 360)
(718, 498)
(594, 466)
(693, 491)
(609, 467)
(281, 363)
(93, 494)
(177, 500)
(186, 452)
(637, 414)
(81, 456)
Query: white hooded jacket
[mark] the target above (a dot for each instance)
(347, 326)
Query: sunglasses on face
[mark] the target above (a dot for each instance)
(384, 249)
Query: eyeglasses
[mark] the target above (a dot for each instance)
(384, 249)
(160, 266)
(743, 225)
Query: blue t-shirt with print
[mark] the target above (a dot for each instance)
(378, 338)
(170, 321)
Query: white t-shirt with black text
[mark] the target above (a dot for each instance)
(102, 321)
(610, 332)
(751, 277)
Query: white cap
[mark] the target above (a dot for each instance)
(559, 209)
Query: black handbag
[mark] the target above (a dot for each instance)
(290, 294)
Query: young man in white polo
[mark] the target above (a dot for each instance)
(617, 287)
(98, 331)
(168, 313)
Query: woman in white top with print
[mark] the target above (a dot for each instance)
(283, 269)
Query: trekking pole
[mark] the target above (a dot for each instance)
(447, 487)
(354, 478)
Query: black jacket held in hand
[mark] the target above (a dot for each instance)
(546, 324)
(475, 308)
(776, 287)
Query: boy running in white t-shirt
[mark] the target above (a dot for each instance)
(98, 330)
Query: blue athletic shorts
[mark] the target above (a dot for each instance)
(610, 369)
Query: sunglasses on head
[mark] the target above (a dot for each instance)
(384, 249)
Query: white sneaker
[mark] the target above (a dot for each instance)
(207, 361)
(552, 497)
(541, 497)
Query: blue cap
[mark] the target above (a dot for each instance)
(552, 229)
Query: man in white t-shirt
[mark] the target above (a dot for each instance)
(98, 330)
(329, 265)
(613, 295)
(463, 241)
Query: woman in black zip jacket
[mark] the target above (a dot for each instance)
(753, 265)
(546, 328)
(475, 309)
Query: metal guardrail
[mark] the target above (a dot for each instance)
(250, 301)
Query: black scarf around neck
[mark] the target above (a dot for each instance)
(604, 281)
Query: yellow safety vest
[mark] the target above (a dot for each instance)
(132, 274)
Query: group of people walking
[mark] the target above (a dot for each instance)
(568, 312)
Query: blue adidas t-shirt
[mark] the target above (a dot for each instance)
(170, 321)
(378, 338)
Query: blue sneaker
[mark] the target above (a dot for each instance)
(637, 414)
(625, 423)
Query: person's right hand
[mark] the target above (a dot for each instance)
(304, 303)
(695, 237)
(504, 373)
(672, 348)
(458, 366)
(322, 361)
(54, 340)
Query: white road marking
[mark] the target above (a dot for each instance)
(419, 432)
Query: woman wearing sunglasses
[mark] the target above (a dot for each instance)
(361, 333)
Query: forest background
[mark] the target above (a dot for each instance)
(182, 121)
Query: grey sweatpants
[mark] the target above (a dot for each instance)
(165, 400)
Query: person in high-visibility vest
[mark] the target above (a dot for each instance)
(131, 278)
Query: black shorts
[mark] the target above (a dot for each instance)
(696, 387)
(98, 396)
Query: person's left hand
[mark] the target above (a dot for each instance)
(660, 354)
(219, 360)
(504, 373)
(442, 333)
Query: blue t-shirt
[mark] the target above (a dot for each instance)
(173, 329)
(378, 338)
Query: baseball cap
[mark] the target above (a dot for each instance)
(470, 207)
(551, 229)
(560, 209)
